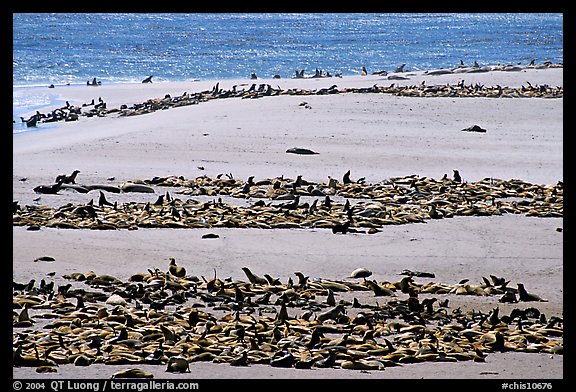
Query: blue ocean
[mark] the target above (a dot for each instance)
(121, 48)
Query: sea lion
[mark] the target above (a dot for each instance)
(104, 187)
(524, 296)
(48, 189)
(457, 177)
(132, 187)
(300, 151)
(31, 122)
(282, 359)
(360, 273)
(178, 364)
(148, 79)
(132, 373)
(253, 278)
(331, 314)
(438, 72)
(75, 187)
(378, 290)
(474, 128)
(240, 360)
(341, 228)
(102, 200)
(346, 178)
(175, 269)
(71, 179)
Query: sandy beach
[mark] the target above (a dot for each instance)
(375, 136)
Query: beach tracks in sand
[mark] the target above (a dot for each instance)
(285, 203)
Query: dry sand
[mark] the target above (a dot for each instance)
(376, 136)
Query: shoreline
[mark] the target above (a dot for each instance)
(78, 95)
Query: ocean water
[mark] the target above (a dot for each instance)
(120, 48)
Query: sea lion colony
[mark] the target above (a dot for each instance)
(173, 318)
(158, 318)
(284, 203)
(460, 89)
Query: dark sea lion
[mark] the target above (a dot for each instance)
(148, 79)
(524, 296)
(71, 179)
(341, 228)
(48, 189)
(103, 187)
(75, 187)
(300, 151)
(346, 178)
(474, 128)
(457, 177)
(282, 359)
